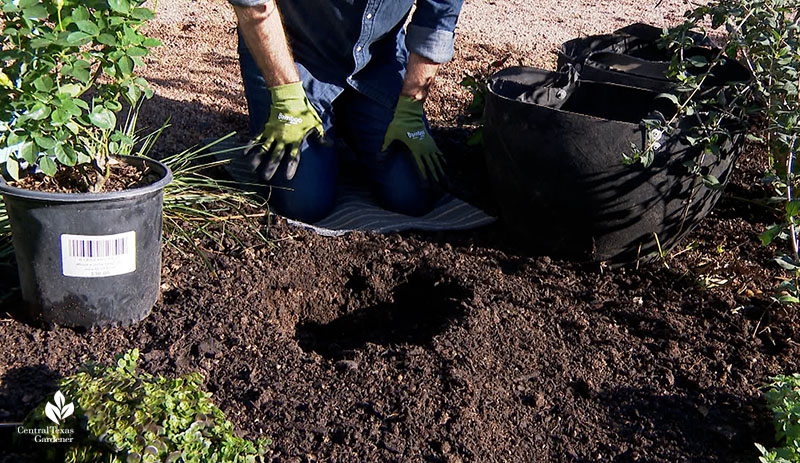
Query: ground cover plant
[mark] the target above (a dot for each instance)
(125, 415)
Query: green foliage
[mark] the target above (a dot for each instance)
(67, 67)
(129, 416)
(783, 399)
(764, 34)
(196, 205)
(478, 84)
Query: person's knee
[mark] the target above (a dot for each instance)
(311, 194)
(402, 189)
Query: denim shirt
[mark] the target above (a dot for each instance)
(360, 43)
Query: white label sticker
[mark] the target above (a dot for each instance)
(98, 256)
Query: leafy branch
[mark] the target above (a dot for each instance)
(67, 68)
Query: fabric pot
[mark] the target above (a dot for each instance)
(554, 147)
(88, 260)
(631, 56)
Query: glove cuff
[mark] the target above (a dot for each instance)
(288, 91)
(408, 105)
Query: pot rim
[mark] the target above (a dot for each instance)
(166, 178)
(500, 74)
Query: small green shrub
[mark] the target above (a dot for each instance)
(67, 68)
(765, 36)
(128, 416)
(783, 398)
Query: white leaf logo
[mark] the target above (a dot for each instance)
(58, 412)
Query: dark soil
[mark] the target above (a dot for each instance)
(74, 180)
(454, 347)
(443, 347)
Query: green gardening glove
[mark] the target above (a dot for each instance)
(291, 119)
(408, 127)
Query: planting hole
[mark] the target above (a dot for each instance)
(418, 310)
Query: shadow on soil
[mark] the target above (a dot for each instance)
(21, 389)
(696, 420)
(418, 310)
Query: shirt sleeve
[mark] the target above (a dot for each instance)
(431, 30)
(247, 2)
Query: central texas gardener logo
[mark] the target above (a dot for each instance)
(60, 411)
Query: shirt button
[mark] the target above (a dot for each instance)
(358, 48)
(369, 15)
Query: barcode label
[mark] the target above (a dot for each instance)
(87, 256)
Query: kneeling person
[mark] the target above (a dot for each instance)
(348, 70)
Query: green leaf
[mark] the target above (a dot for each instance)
(711, 181)
(769, 235)
(35, 12)
(786, 263)
(38, 112)
(83, 158)
(29, 153)
(136, 51)
(78, 37)
(41, 43)
(80, 14)
(43, 84)
(47, 166)
(81, 104)
(152, 42)
(44, 143)
(107, 39)
(125, 65)
(15, 139)
(73, 127)
(669, 96)
(132, 94)
(143, 14)
(103, 118)
(697, 61)
(59, 117)
(786, 299)
(476, 139)
(112, 105)
(65, 155)
(69, 108)
(80, 73)
(792, 208)
(70, 89)
(88, 27)
(12, 168)
(120, 6)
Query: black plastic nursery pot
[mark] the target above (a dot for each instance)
(554, 151)
(89, 259)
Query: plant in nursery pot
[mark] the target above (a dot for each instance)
(85, 215)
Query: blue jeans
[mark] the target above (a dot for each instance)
(361, 123)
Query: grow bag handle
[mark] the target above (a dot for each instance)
(556, 94)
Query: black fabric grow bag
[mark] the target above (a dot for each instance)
(554, 149)
(631, 56)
